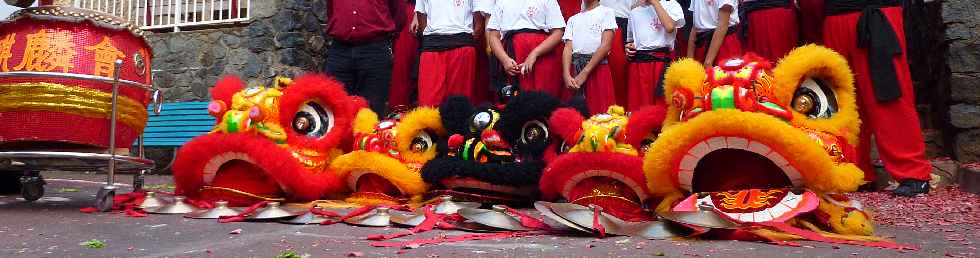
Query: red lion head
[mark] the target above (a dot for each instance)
(270, 143)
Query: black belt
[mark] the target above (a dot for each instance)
(705, 36)
(498, 75)
(876, 35)
(624, 27)
(656, 55)
(748, 7)
(579, 61)
(437, 43)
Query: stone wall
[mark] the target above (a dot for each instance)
(962, 19)
(283, 37)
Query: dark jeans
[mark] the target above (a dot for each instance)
(364, 69)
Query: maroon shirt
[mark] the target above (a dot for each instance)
(357, 21)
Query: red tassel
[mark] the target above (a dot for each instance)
(241, 216)
(88, 210)
(354, 213)
(528, 221)
(206, 205)
(459, 238)
(598, 226)
(431, 220)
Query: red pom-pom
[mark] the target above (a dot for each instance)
(226, 87)
(455, 141)
(566, 122)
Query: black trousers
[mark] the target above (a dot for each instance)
(364, 69)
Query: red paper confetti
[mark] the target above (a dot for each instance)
(941, 207)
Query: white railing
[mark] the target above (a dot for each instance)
(166, 14)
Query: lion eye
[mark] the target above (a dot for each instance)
(421, 143)
(481, 121)
(313, 120)
(534, 131)
(815, 99)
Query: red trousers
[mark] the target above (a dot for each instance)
(445, 73)
(546, 75)
(618, 65)
(569, 7)
(405, 51)
(811, 20)
(599, 93)
(680, 45)
(730, 47)
(644, 80)
(773, 32)
(895, 124)
(481, 87)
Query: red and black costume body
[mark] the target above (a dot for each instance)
(871, 36)
(494, 155)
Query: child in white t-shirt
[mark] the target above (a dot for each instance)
(652, 34)
(447, 65)
(588, 39)
(713, 38)
(524, 36)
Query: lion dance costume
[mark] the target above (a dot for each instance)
(388, 155)
(763, 145)
(603, 162)
(494, 155)
(270, 143)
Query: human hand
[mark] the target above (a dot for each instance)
(528, 64)
(630, 49)
(580, 79)
(414, 27)
(510, 66)
(570, 82)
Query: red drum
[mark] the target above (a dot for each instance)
(56, 68)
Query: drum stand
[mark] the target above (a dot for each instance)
(32, 162)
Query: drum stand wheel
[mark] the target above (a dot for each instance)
(32, 186)
(138, 180)
(105, 197)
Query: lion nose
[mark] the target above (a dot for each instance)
(492, 138)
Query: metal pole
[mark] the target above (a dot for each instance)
(112, 124)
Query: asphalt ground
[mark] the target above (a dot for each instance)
(54, 227)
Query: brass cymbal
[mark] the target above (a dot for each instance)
(177, 207)
(152, 201)
(381, 217)
(220, 209)
(272, 210)
(545, 209)
(312, 218)
(448, 206)
(701, 218)
(497, 217)
(406, 218)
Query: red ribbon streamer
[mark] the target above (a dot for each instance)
(598, 226)
(528, 221)
(241, 216)
(459, 238)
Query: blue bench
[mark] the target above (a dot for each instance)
(176, 124)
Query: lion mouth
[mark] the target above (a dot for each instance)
(226, 173)
(633, 192)
(372, 184)
(734, 163)
(746, 180)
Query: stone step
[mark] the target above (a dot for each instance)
(969, 178)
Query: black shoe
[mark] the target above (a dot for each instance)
(911, 187)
